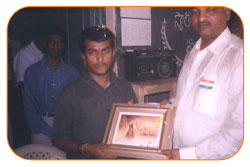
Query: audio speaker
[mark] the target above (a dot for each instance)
(149, 65)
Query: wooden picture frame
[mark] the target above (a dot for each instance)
(139, 130)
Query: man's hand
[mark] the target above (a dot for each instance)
(171, 154)
(131, 101)
(164, 103)
(98, 151)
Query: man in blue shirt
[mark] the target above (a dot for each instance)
(42, 83)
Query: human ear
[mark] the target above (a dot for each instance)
(83, 58)
(114, 51)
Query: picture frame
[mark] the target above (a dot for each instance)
(139, 130)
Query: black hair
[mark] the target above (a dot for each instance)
(55, 30)
(98, 34)
(40, 33)
(234, 19)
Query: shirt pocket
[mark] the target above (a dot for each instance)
(206, 101)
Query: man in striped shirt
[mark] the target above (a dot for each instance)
(209, 99)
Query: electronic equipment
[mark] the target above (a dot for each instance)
(149, 65)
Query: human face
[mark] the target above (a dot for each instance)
(99, 57)
(209, 22)
(55, 46)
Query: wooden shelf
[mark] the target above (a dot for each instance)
(154, 86)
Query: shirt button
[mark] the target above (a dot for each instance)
(53, 84)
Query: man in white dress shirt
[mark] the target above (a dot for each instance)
(29, 55)
(209, 99)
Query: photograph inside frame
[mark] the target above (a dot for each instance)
(139, 130)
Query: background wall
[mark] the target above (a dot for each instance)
(170, 29)
(24, 23)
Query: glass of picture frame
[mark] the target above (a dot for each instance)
(139, 130)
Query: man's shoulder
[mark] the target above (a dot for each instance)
(73, 85)
(25, 51)
(122, 81)
(236, 49)
(68, 66)
(34, 67)
(236, 42)
(71, 90)
(233, 55)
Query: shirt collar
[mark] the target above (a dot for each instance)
(113, 78)
(86, 78)
(219, 44)
(35, 49)
(46, 65)
(32, 44)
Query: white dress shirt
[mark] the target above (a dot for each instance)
(27, 56)
(209, 99)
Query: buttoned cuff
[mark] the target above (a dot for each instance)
(187, 153)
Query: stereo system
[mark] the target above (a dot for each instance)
(149, 65)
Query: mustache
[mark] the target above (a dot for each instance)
(100, 64)
(204, 23)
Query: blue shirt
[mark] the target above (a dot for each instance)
(42, 85)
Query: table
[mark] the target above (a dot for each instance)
(144, 88)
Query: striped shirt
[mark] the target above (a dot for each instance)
(209, 118)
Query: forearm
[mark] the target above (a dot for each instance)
(32, 109)
(68, 145)
(72, 146)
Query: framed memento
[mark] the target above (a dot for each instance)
(139, 130)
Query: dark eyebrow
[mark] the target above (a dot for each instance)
(108, 47)
(91, 49)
